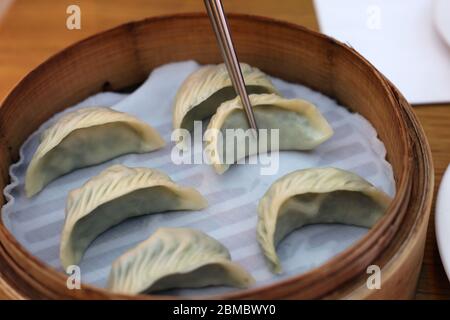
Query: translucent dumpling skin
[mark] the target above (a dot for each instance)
(310, 196)
(116, 194)
(86, 137)
(176, 258)
(204, 91)
(299, 124)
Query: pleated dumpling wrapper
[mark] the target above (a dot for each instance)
(116, 194)
(176, 258)
(86, 137)
(205, 89)
(311, 196)
(300, 127)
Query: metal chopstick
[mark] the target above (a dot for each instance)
(222, 31)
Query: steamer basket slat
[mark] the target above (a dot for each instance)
(122, 57)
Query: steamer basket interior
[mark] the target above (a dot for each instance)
(122, 58)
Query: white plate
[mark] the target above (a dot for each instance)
(442, 221)
(399, 37)
(442, 18)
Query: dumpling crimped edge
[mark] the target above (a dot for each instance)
(167, 252)
(260, 100)
(201, 84)
(85, 118)
(114, 182)
(314, 180)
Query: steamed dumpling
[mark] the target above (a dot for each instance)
(204, 90)
(86, 137)
(176, 258)
(116, 194)
(322, 195)
(300, 124)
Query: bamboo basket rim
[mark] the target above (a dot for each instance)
(312, 276)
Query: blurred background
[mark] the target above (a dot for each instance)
(399, 37)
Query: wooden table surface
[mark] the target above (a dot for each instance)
(31, 31)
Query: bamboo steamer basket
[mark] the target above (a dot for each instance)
(123, 57)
